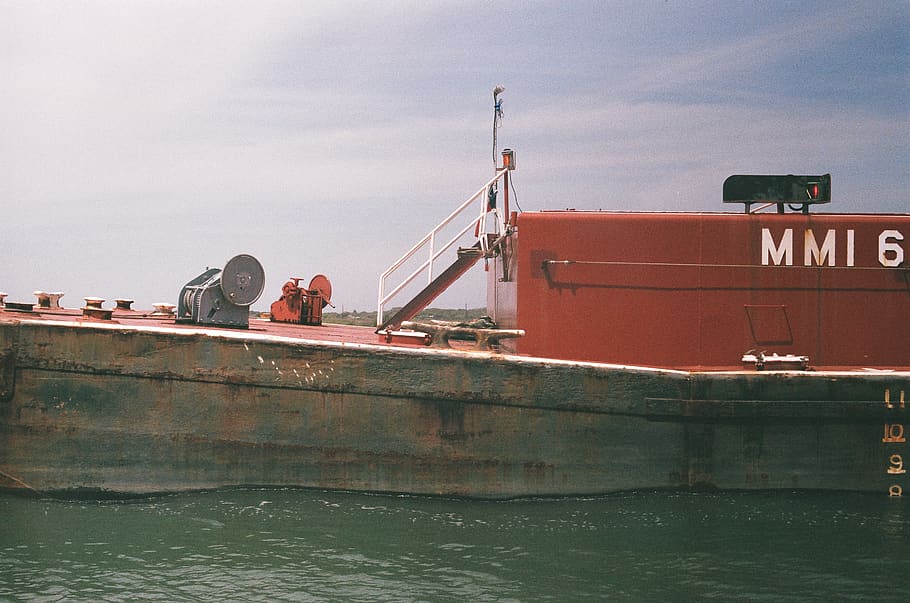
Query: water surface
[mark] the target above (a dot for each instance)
(304, 545)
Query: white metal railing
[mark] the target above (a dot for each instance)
(478, 220)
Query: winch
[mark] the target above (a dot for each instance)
(303, 306)
(222, 298)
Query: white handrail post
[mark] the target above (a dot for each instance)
(432, 249)
(379, 303)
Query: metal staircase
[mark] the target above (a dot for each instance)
(476, 209)
(467, 257)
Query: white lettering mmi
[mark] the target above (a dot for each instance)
(890, 251)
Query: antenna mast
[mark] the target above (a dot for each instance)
(497, 117)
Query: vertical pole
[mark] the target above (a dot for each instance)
(432, 253)
(505, 197)
(379, 301)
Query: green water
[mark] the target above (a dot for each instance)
(298, 545)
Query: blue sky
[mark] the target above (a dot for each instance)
(145, 141)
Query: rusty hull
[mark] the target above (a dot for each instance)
(131, 408)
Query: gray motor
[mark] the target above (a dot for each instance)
(222, 298)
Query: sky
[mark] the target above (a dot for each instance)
(143, 142)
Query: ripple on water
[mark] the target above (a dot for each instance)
(293, 545)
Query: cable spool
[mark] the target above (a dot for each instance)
(242, 279)
(321, 284)
(222, 298)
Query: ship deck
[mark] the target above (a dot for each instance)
(354, 335)
(139, 318)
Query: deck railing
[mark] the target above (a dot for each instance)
(477, 212)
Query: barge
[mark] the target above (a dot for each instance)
(746, 349)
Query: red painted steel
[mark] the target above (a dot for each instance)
(302, 306)
(700, 290)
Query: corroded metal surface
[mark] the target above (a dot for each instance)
(137, 408)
